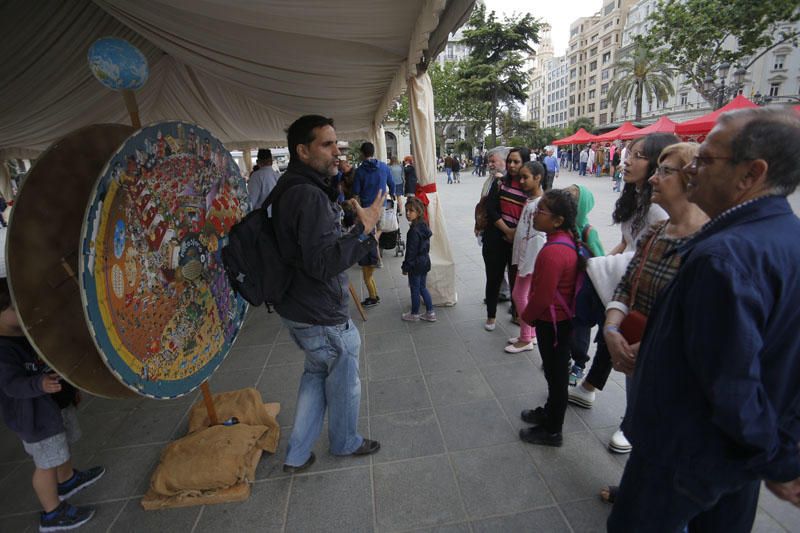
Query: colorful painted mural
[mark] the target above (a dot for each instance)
(157, 299)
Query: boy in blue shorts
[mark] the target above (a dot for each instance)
(39, 407)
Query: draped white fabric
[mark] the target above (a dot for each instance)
(441, 280)
(242, 69)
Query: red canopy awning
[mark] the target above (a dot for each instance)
(702, 125)
(662, 125)
(613, 135)
(579, 137)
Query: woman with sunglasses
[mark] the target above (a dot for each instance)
(635, 213)
(655, 262)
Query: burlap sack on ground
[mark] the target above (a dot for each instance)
(247, 406)
(208, 460)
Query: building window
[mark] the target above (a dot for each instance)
(604, 88)
(594, 37)
(590, 108)
(780, 59)
(572, 87)
(572, 99)
(606, 73)
(608, 25)
(684, 98)
(572, 74)
(607, 40)
(593, 65)
(606, 57)
(592, 80)
(603, 118)
(593, 52)
(571, 113)
(774, 89)
(603, 104)
(592, 94)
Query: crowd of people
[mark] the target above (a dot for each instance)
(696, 305)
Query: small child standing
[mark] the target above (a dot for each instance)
(417, 261)
(550, 309)
(38, 407)
(527, 243)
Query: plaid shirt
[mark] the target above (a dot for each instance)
(661, 266)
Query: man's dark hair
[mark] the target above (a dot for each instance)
(5, 295)
(264, 154)
(302, 131)
(771, 134)
(368, 149)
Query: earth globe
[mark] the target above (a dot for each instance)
(118, 64)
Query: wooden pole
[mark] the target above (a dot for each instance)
(358, 303)
(133, 108)
(212, 412)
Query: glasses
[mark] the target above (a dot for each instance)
(542, 211)
(705, 160)
(663, 170)
(637, 155)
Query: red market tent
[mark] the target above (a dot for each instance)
(613, 135)
(662, 125)
(579, 137)
(702, 125)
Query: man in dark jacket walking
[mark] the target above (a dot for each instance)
(315, 307)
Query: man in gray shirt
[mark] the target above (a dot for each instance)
(262, 180)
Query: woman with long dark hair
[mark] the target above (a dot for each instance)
(503, 209)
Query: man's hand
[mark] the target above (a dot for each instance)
(50, 383)
(370, 216)
(789, 491)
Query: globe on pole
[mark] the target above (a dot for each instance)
(117, 64)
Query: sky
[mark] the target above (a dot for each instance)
(558, 14)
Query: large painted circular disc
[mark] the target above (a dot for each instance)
(156, 296)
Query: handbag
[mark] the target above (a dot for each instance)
(632, 326)
(481, 217)
(389, 222)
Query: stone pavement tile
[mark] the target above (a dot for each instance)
(608, 409)
(489, 351)
(331, 501)
(438, 333)
(288, 400)
(21, 523)
(547, 519)
(376, 343)
(285, 353)
(11, 449)
(103, 405)
(416, 493)
(406, 435)
(105, 514)
(588, 515)
(16, 492)
(764, 523)
(240, 358)
(263, 511)
(446, 358)
(783, 512)
(462, 527)
(147, 425)
(464, 312)
(394, 395)
(604, 436)
(271, 464)
(234, 380)
(513, 406)
(7, 468)
(473, 330)
(499, 480)
(327, 461)
(386, 323)
(517, 376)
(393, 365)
(579, 469)
(283, 335)
(278, 378)
(134, 519)
(459, 386)
(257, 332)
(474, 425)
(98, 428)
(128, 472)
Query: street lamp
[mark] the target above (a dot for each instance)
(723, 93)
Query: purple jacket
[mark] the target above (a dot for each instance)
(27, 410)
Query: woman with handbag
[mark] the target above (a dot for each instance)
(654, 264)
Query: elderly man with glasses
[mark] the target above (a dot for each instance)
(715, 407)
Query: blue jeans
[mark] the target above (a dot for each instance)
(330, 380)
(449, 174)
(582, 171)
(417, 284)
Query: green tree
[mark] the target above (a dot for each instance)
(580, 122)
(641, 74)
(696, 36)
(494, 70)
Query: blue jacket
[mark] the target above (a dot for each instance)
(716, 391)
(371, 176)
(418, 248)
(27, 410)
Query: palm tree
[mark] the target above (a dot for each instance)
(638, 75)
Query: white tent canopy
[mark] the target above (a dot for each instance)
(242, 69)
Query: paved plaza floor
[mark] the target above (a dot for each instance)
(443, 398)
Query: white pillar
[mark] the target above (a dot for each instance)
(379, 140)
(442, 277)
(248, 161)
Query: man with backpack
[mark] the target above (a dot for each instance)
(315, 306)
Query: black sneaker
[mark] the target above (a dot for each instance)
(80, 480)
(289, 469)
(539, 435)
(65, 517)
(370, 302)
(534, 417)
(368, 447)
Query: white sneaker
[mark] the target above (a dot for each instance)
(490, 327)
(581, 397)
(513, 349)
(410, 317)
(430, 316)
(512, 340)
(619, 444)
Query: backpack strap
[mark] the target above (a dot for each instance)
(560, 300)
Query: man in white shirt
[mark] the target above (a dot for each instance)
(262, 180)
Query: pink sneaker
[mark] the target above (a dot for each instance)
(410, 317)
(430, 316)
